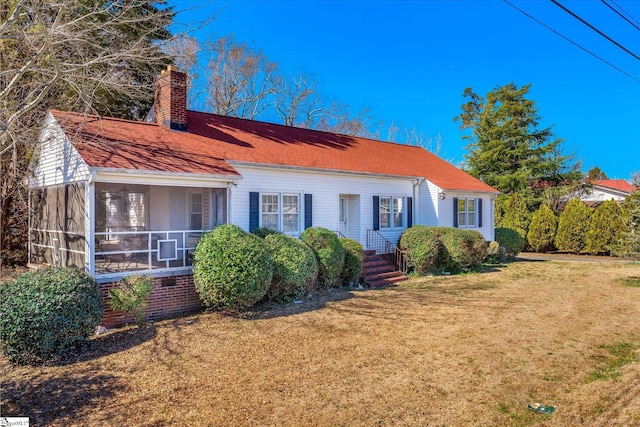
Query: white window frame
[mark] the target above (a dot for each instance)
(192, 212)
(280, 214)
(466, 213)
(392, 212)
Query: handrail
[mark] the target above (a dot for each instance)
(382, 246)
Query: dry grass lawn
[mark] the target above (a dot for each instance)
(466, 350)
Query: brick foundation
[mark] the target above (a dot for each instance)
(171, 296)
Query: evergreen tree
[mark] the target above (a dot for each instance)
(542, 229)
(516, 215)
(629, 243)
(573, 227)
(607, 226)
(595, 173)
(507, 148)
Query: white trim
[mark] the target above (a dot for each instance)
(174, 179)
(392, 226)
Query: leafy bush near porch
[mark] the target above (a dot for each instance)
(131, 296)
(465, 249)
(353, 259)
(263, 232)
(573, 227)
(295, 268)
(510, 240)
(606, 229)
(424, 249)
(542, 229)
(232, 268)
(47, 313)
(329, 252)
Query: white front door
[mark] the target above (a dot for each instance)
(344, 216)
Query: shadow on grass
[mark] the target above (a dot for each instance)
(57, 400)
(113, 342)
(270, 310)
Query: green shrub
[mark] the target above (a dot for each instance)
(329, 252)
(47, 313)
(542, 229)
(131, 296)
(510, 240)
(516, 215)
(493, 249)
(232, 268)
(353, 259)
(629, 243)
(263, 232)
(295, 268)
(424, 249)
(466, 249)
(606, 229)
(573, 227)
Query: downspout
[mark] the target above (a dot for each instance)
(90, 224)
(29, 242)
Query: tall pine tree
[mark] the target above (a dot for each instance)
(507, 148)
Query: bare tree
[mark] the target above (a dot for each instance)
(297, 102)
(240, 80)
(95, 56)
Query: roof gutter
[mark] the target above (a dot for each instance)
(133, 176)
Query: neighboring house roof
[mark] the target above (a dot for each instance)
(212, 143)
(615, 184)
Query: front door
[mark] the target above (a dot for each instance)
(344, 216)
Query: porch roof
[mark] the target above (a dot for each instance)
(212, 140)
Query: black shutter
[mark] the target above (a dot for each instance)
(409, 212)
(455, 212)
(254, 210)
(479, 212)
(376, 212)
(308, 210)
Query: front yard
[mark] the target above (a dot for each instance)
(458, 350)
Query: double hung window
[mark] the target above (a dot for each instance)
(392, 212)
(467, 212)
(281, 212)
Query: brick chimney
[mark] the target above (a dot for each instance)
(170, 101)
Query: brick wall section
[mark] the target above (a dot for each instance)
(170, 103)
(166, 300)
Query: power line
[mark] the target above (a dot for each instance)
(595, 29)
(625, 12)
(571, 41)
(620, 14)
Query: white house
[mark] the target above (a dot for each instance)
(601, 190)
(115, 196)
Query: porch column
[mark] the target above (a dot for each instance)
(90, 225)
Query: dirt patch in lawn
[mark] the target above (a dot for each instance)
(458, 350)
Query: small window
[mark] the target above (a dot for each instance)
(466, 212)
(290, 213)
(195, 213)
(392, 212)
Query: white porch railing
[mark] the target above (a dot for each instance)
(144, 251)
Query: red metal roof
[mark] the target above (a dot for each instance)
(211, 141)
(615, 184)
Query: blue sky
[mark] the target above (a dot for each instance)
(410, 61)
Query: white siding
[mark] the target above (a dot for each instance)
(57, 160)
(446, 209)
(601, 195)
(325, 188)
(428, 194)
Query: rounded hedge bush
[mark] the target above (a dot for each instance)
(424, 249)
(466, 249)
(573, 227)
(329, 252)
(48, 313)
(232, 269)
(353, 259)
(607, 227)
(510, 240)
(263, 232)
(295, 268)
(542, 229)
